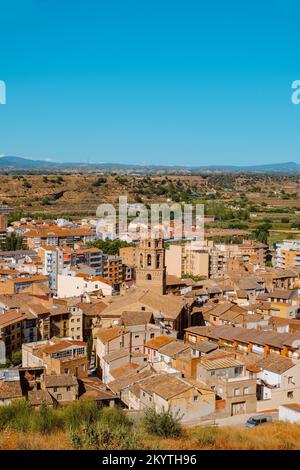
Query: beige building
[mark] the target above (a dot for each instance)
(189, 401)
(63, 388)
(278, 382)
(58, 356)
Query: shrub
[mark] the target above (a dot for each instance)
(16, 358)
(45, 201)
(104, 436)
(163, 424)
(114, 417)
(27, 185)
(99, 181)
(80, 412)
(47, 419)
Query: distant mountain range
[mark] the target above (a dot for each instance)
(12, 163)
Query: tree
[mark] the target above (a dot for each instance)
(16, 358)
(262, 232)
(13, 242)
(89, 347)
(110, 247)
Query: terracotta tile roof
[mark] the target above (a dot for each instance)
(173, 348)
(58, 232)
(159, 342)
(62, 380)
(62, 344)
(165, 385)
(37, 397)
(124, 370)
(115, 355)
(130, 318)
(15, 300)
(275, 363)
(281, 294)
(107, 334)
(94, 279)
(221, 362)
(292, 406)
(174, 281)
(170, 305)
(10, 390)
(122, 383)
(35, 278)
(92, 309)
(11, 317)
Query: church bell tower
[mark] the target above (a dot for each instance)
(150, 265)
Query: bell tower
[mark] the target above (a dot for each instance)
(150, 265)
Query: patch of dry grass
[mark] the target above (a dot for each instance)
(274, 436)
(13, 440)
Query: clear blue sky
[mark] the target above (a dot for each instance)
(150, 81)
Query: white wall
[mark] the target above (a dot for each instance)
(69, 286)
(289, 415)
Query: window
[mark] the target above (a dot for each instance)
(212, 373)
(238, 371)
(143, 309)
(151, 335)
(137, 336)
(236, 392)
(59, 396)
(68, 389)
(55, 389)
(290, 380)
(66, 370)
(196, 398)
(290, 395)
(246, 390)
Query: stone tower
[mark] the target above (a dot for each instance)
(150, 265)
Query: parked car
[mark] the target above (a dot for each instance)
(257, 420)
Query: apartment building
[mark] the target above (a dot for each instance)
(56, 260)
(212, 260)
(113, 270)
(287, 254)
